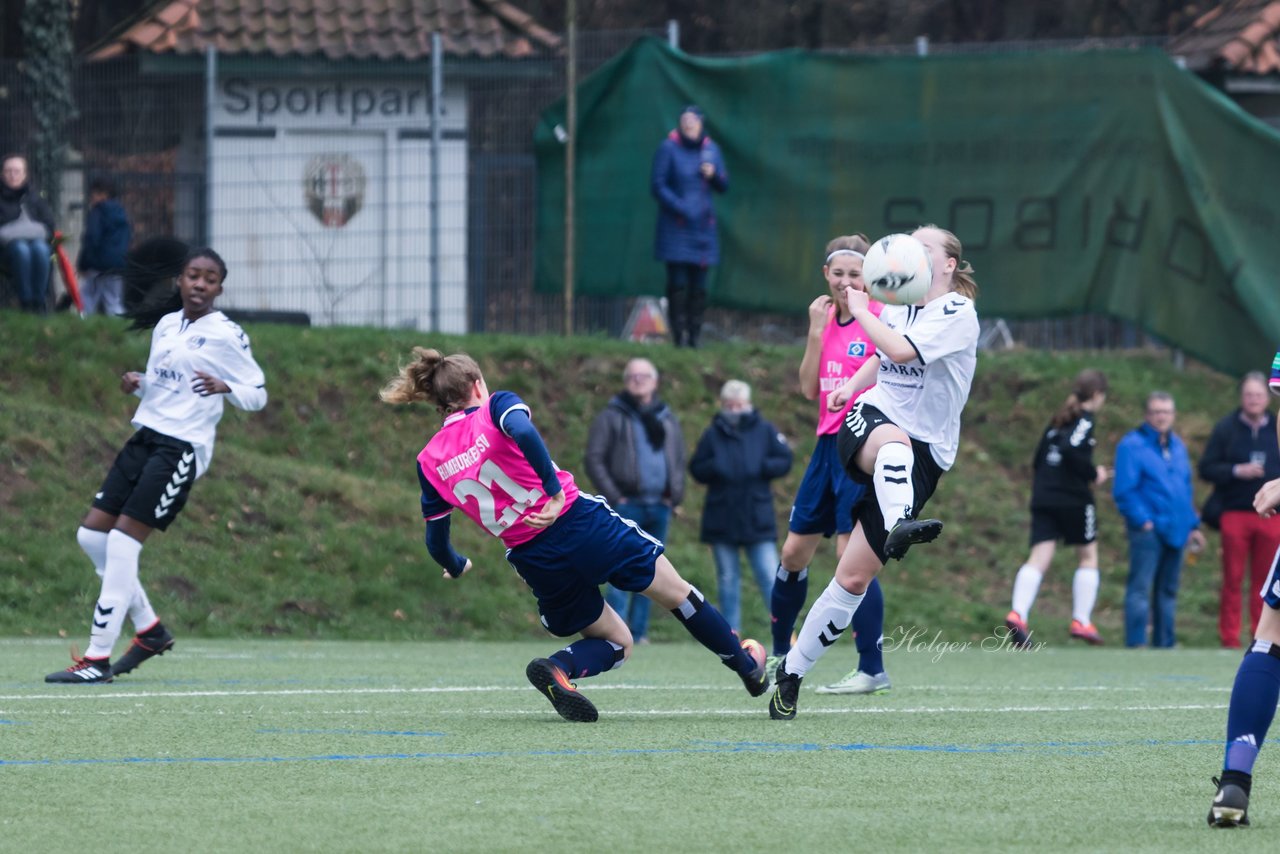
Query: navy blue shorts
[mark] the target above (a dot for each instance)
(587, 546)
(824, 503)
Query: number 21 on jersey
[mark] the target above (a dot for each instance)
(516, 500)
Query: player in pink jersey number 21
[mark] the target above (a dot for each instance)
(489, 461)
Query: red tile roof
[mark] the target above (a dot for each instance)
(1237, 35)
(332, 29)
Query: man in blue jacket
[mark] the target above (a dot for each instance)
(1152, 489)
(686, 169)
(103, 247)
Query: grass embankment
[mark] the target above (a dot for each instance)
(307, 523)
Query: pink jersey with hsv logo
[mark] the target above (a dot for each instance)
(478, 468)
(844, 349)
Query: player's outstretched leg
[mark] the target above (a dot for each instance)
(707, 625)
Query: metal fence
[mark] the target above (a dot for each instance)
(351, 193)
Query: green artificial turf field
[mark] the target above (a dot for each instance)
(274, 745)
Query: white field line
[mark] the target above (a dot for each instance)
(101, 693)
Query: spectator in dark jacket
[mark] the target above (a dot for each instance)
(1152, 490)
(103, 247)
(26, 228)
(635, 458)
(686, 169)
(1242, 454)
(735, 459)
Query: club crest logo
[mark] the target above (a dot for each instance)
(857, 348)
(196, 342)
(334, 185)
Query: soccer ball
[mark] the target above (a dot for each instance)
(897, 270)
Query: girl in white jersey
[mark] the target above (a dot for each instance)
(899, 438)
(197, 355)
(835, 348)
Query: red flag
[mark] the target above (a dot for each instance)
(68, 272)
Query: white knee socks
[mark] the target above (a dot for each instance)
(119, 588)
(1025, 587)
(1084, 594)
(892, 479)
(94, 544)
(825, 622)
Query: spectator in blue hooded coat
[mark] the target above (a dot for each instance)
(687, 167)
(107, 234)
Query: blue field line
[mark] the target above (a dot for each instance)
(347, 732)
(696, 747)
(14, 723)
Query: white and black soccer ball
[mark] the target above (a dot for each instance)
(897, 270)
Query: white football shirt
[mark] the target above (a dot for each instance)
(213, 344)
(926, 395)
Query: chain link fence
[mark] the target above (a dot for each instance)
(396, 195)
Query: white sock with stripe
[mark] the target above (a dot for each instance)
(892, 479)
(1025, 587)
(823, 625)
(119, 586)
(1084, 593)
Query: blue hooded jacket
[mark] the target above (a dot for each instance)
(686, 231)
(1153, 484)
(106, 238)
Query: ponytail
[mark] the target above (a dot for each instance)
(444, 381)
(1088, 383)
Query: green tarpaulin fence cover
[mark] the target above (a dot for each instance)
(1106, 183)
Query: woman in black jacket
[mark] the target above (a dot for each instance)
(736, 458)
(26, 227)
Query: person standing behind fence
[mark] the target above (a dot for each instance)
(1062, 508)
(635, 457)
(1152, 490)
(736, 458)
(103, 247)
(26, 227)
(1241, 454)
(687, 167)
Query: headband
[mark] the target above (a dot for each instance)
(844, 252)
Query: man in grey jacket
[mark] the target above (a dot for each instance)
(636, 459)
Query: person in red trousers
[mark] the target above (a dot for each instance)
(1242, 454)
